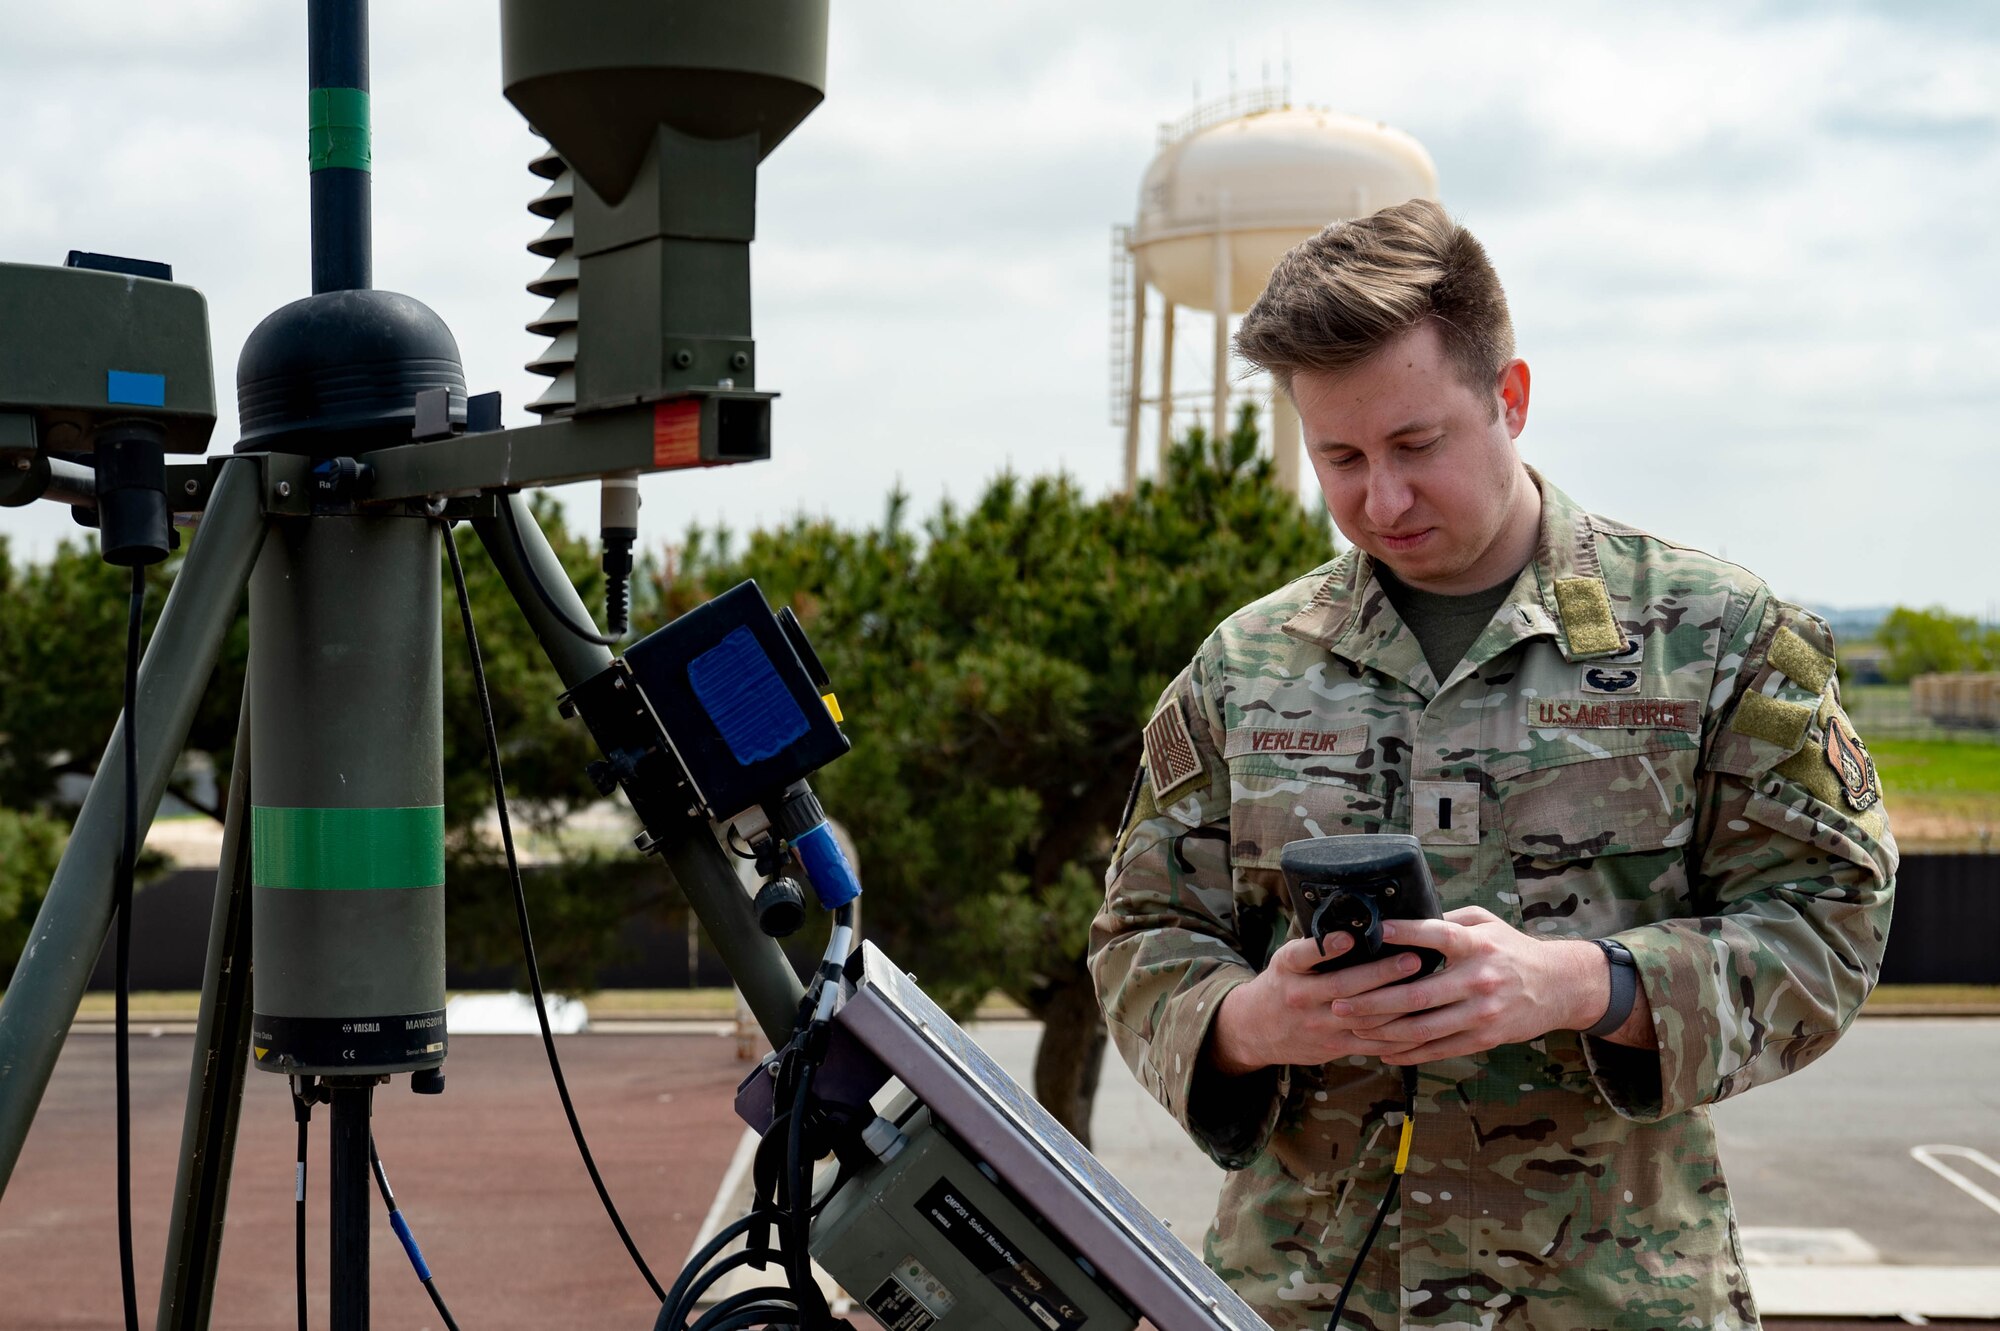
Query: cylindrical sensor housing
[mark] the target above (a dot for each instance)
(347, 912)
(133, 523)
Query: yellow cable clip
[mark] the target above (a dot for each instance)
(1403, 1150)
(832, 707)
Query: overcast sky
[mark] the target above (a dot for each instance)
(1750, 248)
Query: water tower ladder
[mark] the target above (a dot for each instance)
(1121, 321)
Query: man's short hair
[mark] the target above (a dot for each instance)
(1340, 297)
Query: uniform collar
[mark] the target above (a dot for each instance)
(1561, 594)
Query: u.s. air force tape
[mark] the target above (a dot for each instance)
(1170, 756)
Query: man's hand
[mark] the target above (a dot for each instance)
(1286, 1014)
(1497, 986)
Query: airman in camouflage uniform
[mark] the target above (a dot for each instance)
(1643, 744)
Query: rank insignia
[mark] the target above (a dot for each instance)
(1597, 679)
(1850, 762)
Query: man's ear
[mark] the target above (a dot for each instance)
(1512, 385)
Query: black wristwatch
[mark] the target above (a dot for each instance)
(1624, 986)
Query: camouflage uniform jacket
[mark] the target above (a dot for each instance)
(1644, 743)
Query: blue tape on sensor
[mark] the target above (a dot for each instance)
(826, 865)
(402, 1228)
(135, 390)
(737, 685)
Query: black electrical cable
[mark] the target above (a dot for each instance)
(542, 593)
(784, 1199)
(693, 1269)
(762, 1314)
(763, 1296)
(299, 1228)
(521, 895)
(755, 1304)
(128, 855)
(695, 1277)
(806, 1054)
(301, 1111)
(749, 1317)
(402, 1228)
(1388, 1198)
(675, 1310)
(798, 1205)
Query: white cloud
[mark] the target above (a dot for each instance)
(1749, 248)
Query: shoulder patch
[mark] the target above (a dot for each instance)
(1848, 757)
(1772, 720)
(1170, 756)
(1838, 772)
(1799, 661)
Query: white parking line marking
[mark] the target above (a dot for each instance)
(1927, 1156)
(720, 1211)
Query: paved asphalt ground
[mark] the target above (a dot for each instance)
(1828, 1147)
(486, 1175)
(489, 1180)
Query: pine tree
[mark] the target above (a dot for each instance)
(996, 671)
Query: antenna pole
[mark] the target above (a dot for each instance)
(337, 67)
(348, 1201)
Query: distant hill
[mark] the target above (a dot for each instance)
(1855, 623)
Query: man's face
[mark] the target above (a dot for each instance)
(1419, 469)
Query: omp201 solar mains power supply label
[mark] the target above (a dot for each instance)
(1024, 1284)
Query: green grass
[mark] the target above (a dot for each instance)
(145, 1006)
(1933, 769)
(1890, 997)
(605, 1005)
(1941, 795)
(717, 1005)
(626, 1003)
(661, 1004)
(1942, 785)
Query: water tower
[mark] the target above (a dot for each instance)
(1233, 186)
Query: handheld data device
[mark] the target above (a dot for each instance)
(1350, 884)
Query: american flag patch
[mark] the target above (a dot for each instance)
(1170, 755)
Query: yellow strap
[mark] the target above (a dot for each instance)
(1403, 1149)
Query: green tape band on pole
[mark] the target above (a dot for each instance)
(339, 133)
(347, 850)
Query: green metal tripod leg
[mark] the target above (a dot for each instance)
(697, 863)
(216, 1076)
(69, 930)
